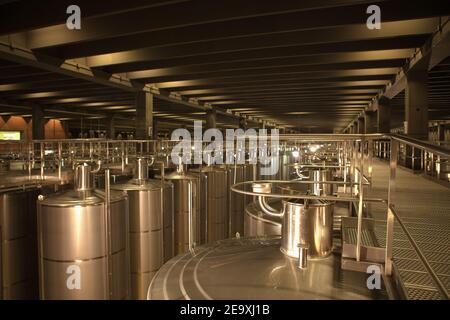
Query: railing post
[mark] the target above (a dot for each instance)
(390, 215)
(369, 160)
(42, 154)
(360, 201)
(60, 161)
(122, 156)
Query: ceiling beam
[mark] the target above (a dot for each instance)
(44, 13)
(151, 46)
(225, 16)
(344, 60)
(27, 57)
(193, 55)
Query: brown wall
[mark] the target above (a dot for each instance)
(54, 129)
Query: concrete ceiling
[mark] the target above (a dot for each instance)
(309, 65)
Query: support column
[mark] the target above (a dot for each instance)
(65, 126)
(144, 115)
(384, 115)
(110, 127)
(441, 132)
(416, 110)
(360, 125)
(155, 128)
(38, 122)
(416, 106)
(211, 119)
(370, 122)
(242, 124)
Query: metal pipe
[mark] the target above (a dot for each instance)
(300, 175)
(267, 209)
(235, 188)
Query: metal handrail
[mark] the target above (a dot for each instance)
(422, 145)
(236, 188)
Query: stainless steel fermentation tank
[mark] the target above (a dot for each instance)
(257, 223)
(18, 246)
(310, 223)
(150, 226)
(307, 223)
(83, 244)
(214, 214)
(285, 171)
(319, 175)
(236, 202)
(186, 207)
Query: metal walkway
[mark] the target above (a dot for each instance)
(424, 207)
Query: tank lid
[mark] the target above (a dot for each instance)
(257, 269)
(180, 176)
(136, 184)
(80, 198)
(212, 168)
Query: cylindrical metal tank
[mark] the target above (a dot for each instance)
(214, 213)
(19, 278)
(236, 201)
(321, 174)
(4, 165)
(286, 161)
(186, 208)
(83, 244)
(168, 220)
(19, 268)
(307, 222)
(147, 214)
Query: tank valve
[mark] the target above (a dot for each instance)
(303, 255)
